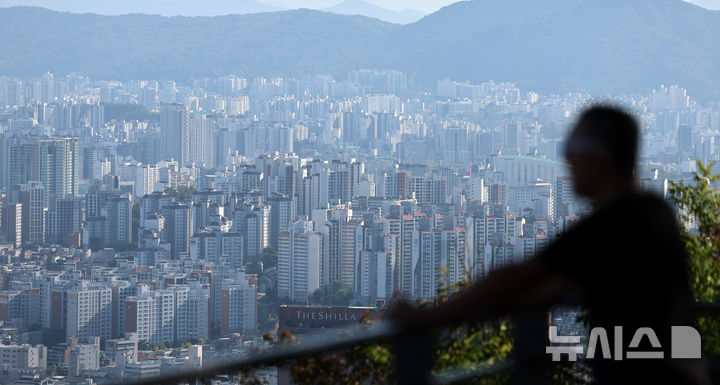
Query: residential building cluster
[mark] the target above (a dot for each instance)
(142, 213)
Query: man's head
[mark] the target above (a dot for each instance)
(602, 149)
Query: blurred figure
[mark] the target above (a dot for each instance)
(627, 260)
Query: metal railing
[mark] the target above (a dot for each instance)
(412, 355)
(411, 349)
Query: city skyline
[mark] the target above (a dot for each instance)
(151, 215)
(178, 193)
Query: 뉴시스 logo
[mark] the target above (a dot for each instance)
(685, 343)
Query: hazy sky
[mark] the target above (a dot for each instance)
(124, 6)
(398, 5)
(421, 5)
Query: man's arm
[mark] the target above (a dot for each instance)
(505, 290)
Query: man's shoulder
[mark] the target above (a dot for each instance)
(646, 212)
(643, 200)
(631, 210)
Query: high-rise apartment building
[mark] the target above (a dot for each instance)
(299, 254)
(32, 198)
(175, 132)
(168, 315)
(238, 306)
(178, 229)
(64, 220)
(118, 225)
(282, 212)
(198, 318)
(55, 163)
(434, 250)
(254, 223)
(11, 224)
(152, 316)
(202, 139)
(88, 311)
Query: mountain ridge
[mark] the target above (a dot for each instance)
(603, 48)
(363, 8)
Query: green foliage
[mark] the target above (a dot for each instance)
(135, 219)
(699, 208)
(129, 112)
(469, 344)
(269, 258)
(144, 345)
(268, 311)
(269, 304)
(248, 377)
(181, 193)
(51, 337)
(215, 330)
(252, 267)
(338, 294)
(465, 345)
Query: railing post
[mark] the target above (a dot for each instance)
(412, 358)
(531, 337)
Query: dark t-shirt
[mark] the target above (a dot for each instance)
(629, 261)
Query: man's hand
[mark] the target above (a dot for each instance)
(410, 316)
(401, 310)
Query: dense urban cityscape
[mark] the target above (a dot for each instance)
(147, 226)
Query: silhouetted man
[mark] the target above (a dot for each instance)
(627, 259)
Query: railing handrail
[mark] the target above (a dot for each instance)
(706, 307)
(385, 330)
(284, 351)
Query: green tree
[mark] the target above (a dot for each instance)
(129, 112)
(466, 345)
(144, 345)
(253, 267)
(51, 337)
(135, 220)
(269, 258)
(181, 193)
(338, 294)
(215, 330)
(698, 204)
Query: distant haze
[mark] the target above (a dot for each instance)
(211, 7)
(221, 7)
(397, 5)
(616, 47)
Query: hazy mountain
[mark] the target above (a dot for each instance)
(359, 7)
(158, 7)
(610, 46)
(35, 40)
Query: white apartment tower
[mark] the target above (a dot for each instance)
(88, 311)
(299, 254)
